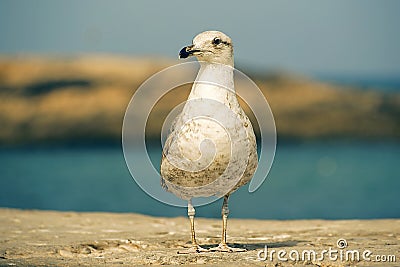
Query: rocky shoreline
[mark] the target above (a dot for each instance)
(52, 238)
(82, 101)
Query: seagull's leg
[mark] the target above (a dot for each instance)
(195, 248)
(223, 247)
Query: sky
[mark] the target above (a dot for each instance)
(341, 37)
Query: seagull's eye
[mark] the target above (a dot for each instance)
(216, 41)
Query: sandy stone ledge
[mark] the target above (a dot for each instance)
(50, 238)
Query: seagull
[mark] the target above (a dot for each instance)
(211, 148)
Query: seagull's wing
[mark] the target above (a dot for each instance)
(166, 147)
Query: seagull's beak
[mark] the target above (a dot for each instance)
(188, 51)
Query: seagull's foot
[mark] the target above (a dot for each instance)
(223, 247)
(193, 249)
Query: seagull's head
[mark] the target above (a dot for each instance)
(210, 46)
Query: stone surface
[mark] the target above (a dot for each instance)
(49, 238)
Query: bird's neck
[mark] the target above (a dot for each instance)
(214, 81)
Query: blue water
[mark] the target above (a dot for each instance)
(383, 84)
(309, 180)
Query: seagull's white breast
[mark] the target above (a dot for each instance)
(211, 149)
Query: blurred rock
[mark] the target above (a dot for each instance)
(82, 100)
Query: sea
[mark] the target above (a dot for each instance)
(308, 180)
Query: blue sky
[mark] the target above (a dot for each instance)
(311, 37)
